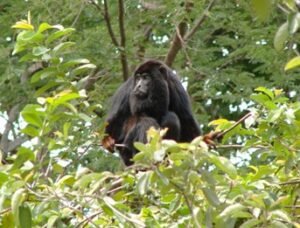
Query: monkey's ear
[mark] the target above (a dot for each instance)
(164, 71)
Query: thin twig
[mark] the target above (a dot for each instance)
(78, 14)
(293, 182)
(5, 211)
(221, 134)
(236, 146)
(88, 219)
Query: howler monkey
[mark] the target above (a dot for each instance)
(153, 97)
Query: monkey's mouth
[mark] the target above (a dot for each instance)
(140, 94)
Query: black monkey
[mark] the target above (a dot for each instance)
(153, 97)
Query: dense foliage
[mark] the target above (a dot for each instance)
(55, 82)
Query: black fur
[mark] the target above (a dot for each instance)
(166, 104)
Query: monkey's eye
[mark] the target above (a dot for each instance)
(145, 75)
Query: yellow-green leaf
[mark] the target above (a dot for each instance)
(293, 63)
(23, 25)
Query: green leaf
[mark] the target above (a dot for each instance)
(51, 221)
(31, 131)
(274, 115)
(43, 27)
(163, 178)
(123, 218)
(229, 211)
(3, 177)
(66, 128)
(8, 221)
(29, 37)
(16, 201)
(140, 146)
(19, 47)
(46, 87)
(42, 74)
(39, 50)
(260, 98)
(33, 116)
(277, 224)
(28, 57)
(65, 96)
(211, 196)
(83, 68)
(262, 9)
(293, 63)
(224, 164)
(56, 35)
(75, 62)
(265, 91)
(25, 216)
(23, 155)
(294, 23)
(251, 223)
(85, 180)
(62, 47)
(281, 37)
(66, 180)
(143, 182)
(279, 214)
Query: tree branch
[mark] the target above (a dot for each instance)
(177, 44)
(199, 21)
(123, 41)
(122, 44)
(13, 114)
(106, 16)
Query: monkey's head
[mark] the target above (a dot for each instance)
(150, 88)
(149, 75)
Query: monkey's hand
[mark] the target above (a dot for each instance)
(108, 143)
(211, 137)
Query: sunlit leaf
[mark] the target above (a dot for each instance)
(293, 63)
(265, 91)
(43, 27)
(23, 25)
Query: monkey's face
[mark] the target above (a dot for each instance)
(142, 85)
